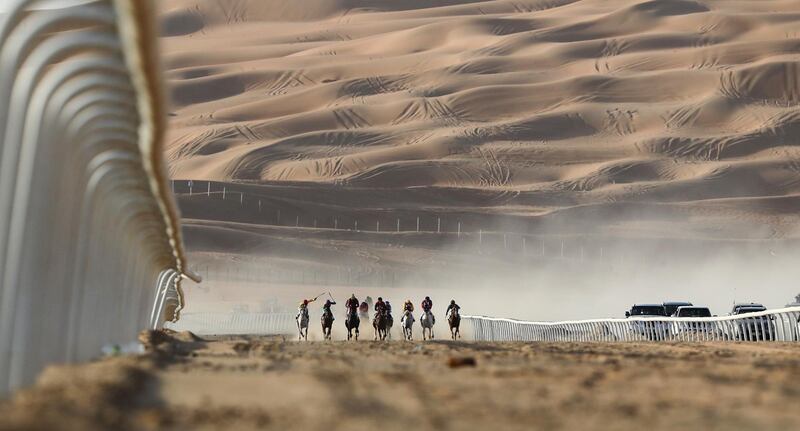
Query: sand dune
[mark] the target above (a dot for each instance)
(592, 101)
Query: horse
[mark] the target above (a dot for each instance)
(302, 324)
(454, 320)
(389, 324)
(327, 324)
(379, 323)
(352, 322)
(427, 321)
(407, 323)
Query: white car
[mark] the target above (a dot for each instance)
(682, 329)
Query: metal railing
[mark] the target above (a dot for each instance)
(87, 221)
(236, 323)
(771, 325)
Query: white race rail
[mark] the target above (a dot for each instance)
(90, 246)
(771, 325)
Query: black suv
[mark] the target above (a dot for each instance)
(756, 328)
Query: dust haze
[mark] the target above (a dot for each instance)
(494, 274)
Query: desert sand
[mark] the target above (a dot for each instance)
(616, 114)
(266, 383)
(623, 150)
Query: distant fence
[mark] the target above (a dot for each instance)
(90, 245)
(235, 323)
(772, 325)
(472, 232)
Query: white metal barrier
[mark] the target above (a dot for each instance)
(771, 325)
(235, 323)
(87, 222)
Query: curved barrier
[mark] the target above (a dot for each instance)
(771, 325)
(88, 226)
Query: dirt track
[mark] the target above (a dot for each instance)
(263, 383)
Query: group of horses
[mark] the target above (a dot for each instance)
(382, 324)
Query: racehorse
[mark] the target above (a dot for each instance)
(389, 324)
(407, 323)
(454, 320)
(352, 322)
(379, 323)
(327, 324)
(302, 324)
(427, 320)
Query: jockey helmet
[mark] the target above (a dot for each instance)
(380, 299)
(305, 302)
(453, 301)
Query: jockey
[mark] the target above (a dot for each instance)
(408, 306)
(304, 306)
(327, 307)
(352, 304)
(380, 306)
(452, 306)
(363, 308)
(427, 304)
(388, 307)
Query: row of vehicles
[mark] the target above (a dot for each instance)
(759, 327)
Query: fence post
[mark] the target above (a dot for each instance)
(208, 193)
(458, 235)
(335, 223)
(259, 205)
(241, 199)
(438, 225)
(378, 226)
(191, 184)
(480, 236)
(562, 248)
(398, 225)
(297, 221)
(356, 226)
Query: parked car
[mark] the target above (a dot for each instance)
(796, 303)
(680, 328)
(671, 307)
(754, 328)
(652, 330)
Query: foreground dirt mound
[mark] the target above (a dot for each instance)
(253, 383)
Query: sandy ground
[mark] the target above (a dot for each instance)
(268, 383)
